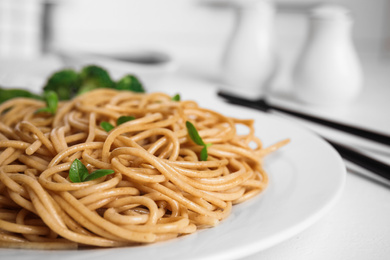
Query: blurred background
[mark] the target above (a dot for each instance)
(193, 32)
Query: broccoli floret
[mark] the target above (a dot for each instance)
(67, 83)
(64, 82)
(6, 94)
(130, 82)
(93, 77)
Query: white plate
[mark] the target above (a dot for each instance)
(306, 178)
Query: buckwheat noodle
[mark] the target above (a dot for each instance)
(160, 188)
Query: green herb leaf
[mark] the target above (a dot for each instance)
(51, 100)
(124, 119)
(43, 110)
(176, 97)
(98, 173)
(106, 126)
(204, 154)
(78, 172)
(194, 134)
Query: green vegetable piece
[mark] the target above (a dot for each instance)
(51, 100)
(124, 119)
(6, 94)
(106, 126)
(65, 83)
(79, 173)
(204, 154)
(93, 77)
(131, 83)
(43, 110)
(194, 134)
(98, 173)
(176, 97)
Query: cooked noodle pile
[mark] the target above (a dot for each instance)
(160, 188)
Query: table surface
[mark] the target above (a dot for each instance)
(357, 226)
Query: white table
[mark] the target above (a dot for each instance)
(357, 227)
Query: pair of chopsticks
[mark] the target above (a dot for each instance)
(346, 152)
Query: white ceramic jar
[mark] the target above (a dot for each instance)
(328, 71)
(248, 64)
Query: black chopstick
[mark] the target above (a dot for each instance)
(352, 155)
(261, 104)
(362, 160)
